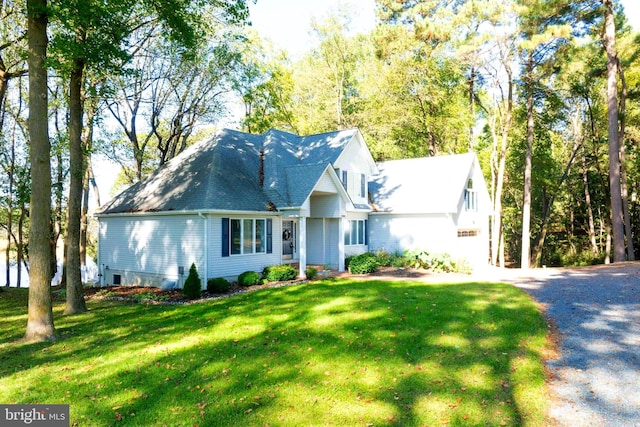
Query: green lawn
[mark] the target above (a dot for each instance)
(337, 352)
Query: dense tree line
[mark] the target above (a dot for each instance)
(531, 86)
(64, 65)
(545, 91)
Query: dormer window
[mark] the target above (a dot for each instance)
(470, 197)
(345, 180)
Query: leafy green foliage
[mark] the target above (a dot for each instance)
(311, 272)
(386, 259)
(218, 285)
(363, 263)
(342, 352)
(249, 278)
(279, 273)
(440, 263)
(192, 288)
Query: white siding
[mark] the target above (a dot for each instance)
(395, 233)
(322, 242)
(333, 241)
(326, 206)
(315, 241)
(153, 246)
(436, 233)
(356, 160)
(325, 184)
(230, 267)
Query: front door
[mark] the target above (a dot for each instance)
(288, 239)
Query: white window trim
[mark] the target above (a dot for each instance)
(349, 230)
(253, 240)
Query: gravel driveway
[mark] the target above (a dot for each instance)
(596, 377)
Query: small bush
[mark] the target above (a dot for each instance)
(311, 273)
(218, 285)
(440, 263)
(279, 273)
(399, 261)
(386, 259)
(249, 278)
(363, 264)
(192, 288)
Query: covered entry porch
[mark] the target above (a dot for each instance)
(313, 236)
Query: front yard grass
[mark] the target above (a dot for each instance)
(336, 352)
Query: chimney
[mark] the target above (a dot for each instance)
(261, 169)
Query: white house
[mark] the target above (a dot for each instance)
(240, 202)
(440, 204)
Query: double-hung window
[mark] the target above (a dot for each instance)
(470, 197)
(247, 236)
(355, 232)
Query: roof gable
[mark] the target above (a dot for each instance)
(425, 185)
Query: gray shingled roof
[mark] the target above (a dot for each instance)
(424, 185)
(222, 173)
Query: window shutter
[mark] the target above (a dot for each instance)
(366, 232)
(225, 237)
(269, 235)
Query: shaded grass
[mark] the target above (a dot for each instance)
(334, 352)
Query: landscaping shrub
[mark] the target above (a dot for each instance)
(386, 259)
(218, 285)
(192, 288)
(249, 278)
(311, 273)
(440, 263)
(399, 261)
(279, 273)
(363, 263)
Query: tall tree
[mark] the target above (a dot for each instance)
(85, 36)
(40, 325)
(617, 220)
(544, 30)
(94, 38)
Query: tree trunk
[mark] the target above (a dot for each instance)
(623, 169)
(87, 179)
(497, 201)
(83, 216)
(526, 202)
(587, 198)
(625, 204)
(472, 106)
(75, 298)
(10, 209)
(607, 250)
(497, 238)
(617, 221)
(40, 314)
(20, 245)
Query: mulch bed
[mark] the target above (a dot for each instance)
(149, 295)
